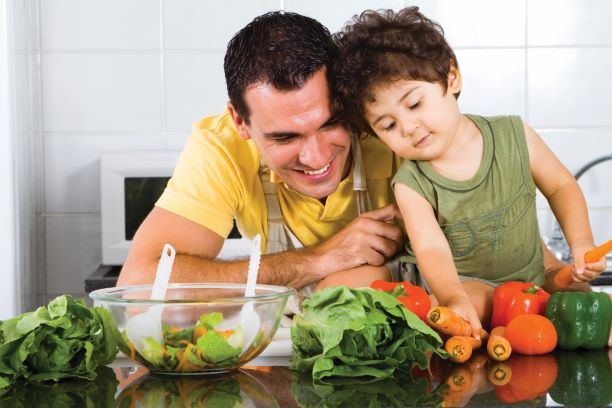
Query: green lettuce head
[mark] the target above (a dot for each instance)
(66, 339)
(363, 333)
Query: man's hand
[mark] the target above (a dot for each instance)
(369, 239)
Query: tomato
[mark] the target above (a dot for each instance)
(536, 374)
(531, 334)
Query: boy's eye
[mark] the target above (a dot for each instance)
(331, 123)
(415, 105)
(389, 127)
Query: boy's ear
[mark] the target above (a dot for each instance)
(454, 79)
(239, 121)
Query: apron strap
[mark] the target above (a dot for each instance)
(364, 203)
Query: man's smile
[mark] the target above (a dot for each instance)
(317, 172)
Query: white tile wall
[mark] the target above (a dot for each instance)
(176, 141)
(73, 186)
(125, 74)
(479, 23)
(195, 87)
(334, 14)
(100, 25)
(197, 25)
(569, 22)
(486, 74)
(102, 92)
(570, 87)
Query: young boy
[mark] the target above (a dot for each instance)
(466, 190)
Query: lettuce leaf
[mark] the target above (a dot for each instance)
(184, 391)
(66, 339)
(362, 333)
(400, 390)
(70, 393)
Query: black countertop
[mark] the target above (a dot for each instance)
(579, 378)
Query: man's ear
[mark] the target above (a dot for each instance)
(239, 122)
(454, 79)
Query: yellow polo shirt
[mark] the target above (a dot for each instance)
(217, 179)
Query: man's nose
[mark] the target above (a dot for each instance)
(315, 151)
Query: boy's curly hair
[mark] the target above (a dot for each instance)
(381, 47)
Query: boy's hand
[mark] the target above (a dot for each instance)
(583, 271)
(464, 308)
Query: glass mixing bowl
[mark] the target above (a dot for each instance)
(200, 328)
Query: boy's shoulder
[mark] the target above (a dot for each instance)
(495, 118)
(497, 121)
(499, 125)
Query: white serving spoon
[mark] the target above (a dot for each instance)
(149, 323)
(249, 319)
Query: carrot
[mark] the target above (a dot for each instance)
(460, 383)
(132, 350)
(198, 332)
(498, 347)
(183, 362)
(499, 374)
(459, 379)
(446, 321)
(460, 348)
(225, 333)
(563, 279)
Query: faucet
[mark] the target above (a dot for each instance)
(557, 243)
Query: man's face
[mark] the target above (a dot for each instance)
(298, 135)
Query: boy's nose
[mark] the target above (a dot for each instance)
(408, 128)
(314, 152)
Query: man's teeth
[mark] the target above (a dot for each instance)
(316, 172)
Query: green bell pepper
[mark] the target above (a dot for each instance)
(584, 379)
(582, 319)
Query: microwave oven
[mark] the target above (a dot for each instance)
(130, 184)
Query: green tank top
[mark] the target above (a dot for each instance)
(490, 221)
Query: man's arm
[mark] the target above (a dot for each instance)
(369, 239)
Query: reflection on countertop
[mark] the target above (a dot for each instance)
(574, 378)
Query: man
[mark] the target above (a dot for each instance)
(280, 163)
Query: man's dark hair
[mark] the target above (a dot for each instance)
(278, 48)
(381, 47)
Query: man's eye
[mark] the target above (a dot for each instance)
(389, 127)
(284, 140)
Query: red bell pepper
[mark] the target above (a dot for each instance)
(511, 299)
(413, 297)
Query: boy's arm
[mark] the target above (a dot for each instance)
(566, 200)
(433, 254)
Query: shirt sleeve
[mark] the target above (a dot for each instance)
(205, 185)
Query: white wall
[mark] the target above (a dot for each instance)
(23, 131)
(134, 74)
(8, 289)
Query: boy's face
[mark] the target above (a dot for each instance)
(416, 119)
(298, 135)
